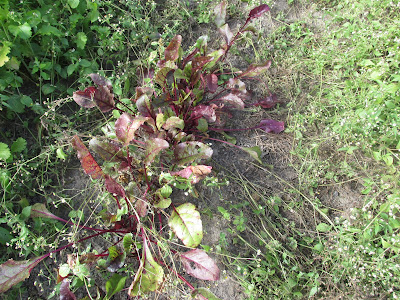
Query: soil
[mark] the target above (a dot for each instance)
(227, 161)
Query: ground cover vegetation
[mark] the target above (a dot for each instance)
(332, 231)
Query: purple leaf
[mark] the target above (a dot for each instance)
(258, 11)
(197, 173)
(65, 292)
(144, 91)
(153, 147)
(204, 111)
(114, 187)
(238, 88)
(198, 264)
(255, 70)
(126, 126)
(188, 152)
(144, 73)
(162, 75)
(268, 102)
(91, 96)
(232, 100)
(271, 126)
(226, 33)
(172, 51)
(212, 83)
(143, 105)
(13, 272)
(220, 14)
(100, 80)
(199, 61)
(85, 98)
(108, 150)
(88, 163)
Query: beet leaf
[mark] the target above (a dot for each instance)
(100, 80)
(13, 272)
(186, 223)
(65, 292)
(198, 264)
(256, 69)
(149, 276)
(220, 14)
(126, 126)
(172, 51)
(271, 126)
(188, 152)
(258, 11)
(268, 102)
(153, 147)
(88, 163)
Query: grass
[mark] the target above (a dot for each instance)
(336, 66)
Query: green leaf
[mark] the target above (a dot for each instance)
(115, 284)
(13, 272)
(149, 276)
(254, 152)
(71, 69)
(73, 3)
(4, 50)
(18, 145)
(323, 227)
(186, 223)
(81, 270)
(81, 40)
(166, 191)
(5, 236)
(163, 203)
(25, 31)
(48, 88)
(26, 100)
(313, 291)
(49, 30)
(60, 154)
(205, 293)
(64, 270)
(174, 122)
(4, 151)
(128, 241)
(202, 125)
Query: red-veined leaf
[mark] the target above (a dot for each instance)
(268, 102)
(203, 294)
(13, 272)
(172, 51)
(226, 33)
(188, 152)
(91, 96)
(220, 14)
(232, 100)
(144, 90)
(198, 264)
(88, 163)
(212, 83)
(197, 173)
(271, 126)
(144, 106)
(85, 98)
(186, 223)
(108, 150)
(153, 147)
(100, 80)
(65, 292)
(208, 112)
(39, 210)
(126, 126)
(256, 69)
(258, 11)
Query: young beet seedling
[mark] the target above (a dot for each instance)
(156, 143)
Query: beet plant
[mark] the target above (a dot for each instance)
(157, 144)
